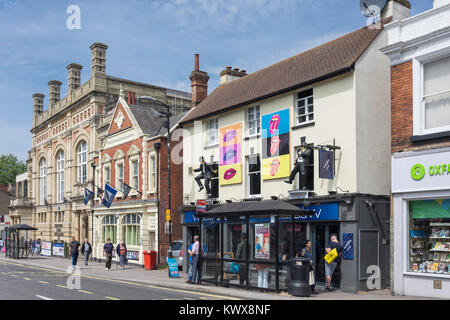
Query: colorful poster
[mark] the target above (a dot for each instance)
(58, 249)
(230, 154)
(262, 241)
(46, 249)
(133, 255)
(276, 160)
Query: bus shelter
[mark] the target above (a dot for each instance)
(243, 246)
(17, 241)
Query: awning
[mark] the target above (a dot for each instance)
(263, 207)
(22, 227)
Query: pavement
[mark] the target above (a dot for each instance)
(160, 278)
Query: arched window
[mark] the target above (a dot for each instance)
(109, 228)
(131, 229)
(60, 176)
(82, 162)
(42, 181)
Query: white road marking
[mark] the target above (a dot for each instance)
(43, 298)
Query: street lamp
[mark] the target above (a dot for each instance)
(167, 115)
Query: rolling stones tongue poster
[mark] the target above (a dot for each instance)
(276, 162)
(230, 154)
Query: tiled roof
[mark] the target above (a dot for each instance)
(314, 65)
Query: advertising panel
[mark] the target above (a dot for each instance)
(230, 154)
(276, 161)
(46, 249)
(262, 241)
(58, 249)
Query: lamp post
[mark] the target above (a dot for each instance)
(166, 124)
(93, 165)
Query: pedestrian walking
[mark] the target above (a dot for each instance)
(121, 251)
(86, 250)
(74, 249)
(38, 246)
(197, 252)
(331, 267)
(1, 245)
(108, 249)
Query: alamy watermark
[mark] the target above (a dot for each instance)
(374, 280)
(74, 279)
(73, 22)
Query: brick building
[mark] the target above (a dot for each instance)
(134, 151)
(67, 137)
(419, 50)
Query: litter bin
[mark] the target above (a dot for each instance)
(152, 255)
(299, 282)
(149, 260)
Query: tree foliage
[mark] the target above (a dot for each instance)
(10, 167)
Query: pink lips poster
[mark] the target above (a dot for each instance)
(230, 146)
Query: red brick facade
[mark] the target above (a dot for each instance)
(402, 112)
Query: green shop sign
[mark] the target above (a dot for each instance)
(418, 171)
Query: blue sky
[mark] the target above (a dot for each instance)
(153, 41)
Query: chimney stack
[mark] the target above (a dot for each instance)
(74, 76)
(230, 74)
(38, 103)
(199, 83)
(397, 9)
(54, 87)
(98, 59)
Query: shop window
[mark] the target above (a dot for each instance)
(429, 236)
(131, 229)
(109, 228)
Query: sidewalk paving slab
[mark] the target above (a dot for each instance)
(161, 278)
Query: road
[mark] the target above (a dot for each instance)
(20, 282)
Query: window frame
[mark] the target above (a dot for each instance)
(211, 129)
(127, 224)
(423, 62)
(248, 175)
(60, 169)
(82, 165)
(118, 184)
(42, 181)
(257, 119)
(306, 106)
(152, 172)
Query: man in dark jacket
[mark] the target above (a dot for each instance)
(207, 173)
(241, 254)
(302, 162)
(86, 250)
(108, 252)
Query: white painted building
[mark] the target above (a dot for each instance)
(419, 50)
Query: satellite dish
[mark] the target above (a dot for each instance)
(370, 8)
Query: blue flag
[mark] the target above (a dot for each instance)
(109, 195)
(88, 194)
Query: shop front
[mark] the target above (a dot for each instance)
(421, 198)
(273, 239)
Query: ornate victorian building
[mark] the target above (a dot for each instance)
(67, 137)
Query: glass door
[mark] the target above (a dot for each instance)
(321, 239)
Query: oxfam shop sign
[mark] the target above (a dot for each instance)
(418, 171)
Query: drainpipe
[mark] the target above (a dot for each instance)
(157, 147)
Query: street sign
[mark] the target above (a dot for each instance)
(201, 206)
(168, 215)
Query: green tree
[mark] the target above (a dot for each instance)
(10, 167)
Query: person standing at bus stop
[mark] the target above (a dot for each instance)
(197, 252)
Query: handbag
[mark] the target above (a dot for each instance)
(331, 256)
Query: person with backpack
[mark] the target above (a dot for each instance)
(121, 251)
(331, 267)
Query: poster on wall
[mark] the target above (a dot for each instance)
(276, 161)
(262, 241)
(46, 249)
(58, 249)
(133, 255)
(230, 154)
